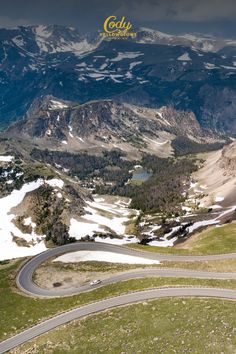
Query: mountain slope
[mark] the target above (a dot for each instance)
(43, 206)
(217, 178)
(107, 124)
(155, 70)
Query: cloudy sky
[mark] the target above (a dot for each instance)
(173, 16)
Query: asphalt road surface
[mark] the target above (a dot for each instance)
(108, 304)
(26, 284)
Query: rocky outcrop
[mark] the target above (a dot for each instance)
(227, 160)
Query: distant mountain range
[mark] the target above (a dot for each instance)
(187, 73)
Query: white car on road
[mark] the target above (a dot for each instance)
(95, 282)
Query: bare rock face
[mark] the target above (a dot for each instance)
(46, 117)
(105, 123)
(228, 158)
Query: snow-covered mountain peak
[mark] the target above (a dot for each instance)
(154, 33)
(42, 31)
(56, 39)
(205, 43)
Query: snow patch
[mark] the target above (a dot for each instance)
(117, 241)
(219, 199)
(135, 63)
(28, 222)
(198, 224)
(184, 57)
(228, 67)
(82, 140)
(101, 256)
(55, 182)
(101, 216)
(57, 105)
(127, 55)
(6, 158)
(210, 66)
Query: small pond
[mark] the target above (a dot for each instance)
(141, 175)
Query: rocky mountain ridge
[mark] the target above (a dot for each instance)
(107, 124)
(207, 43)
(188, 73)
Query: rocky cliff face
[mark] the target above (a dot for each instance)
(45, 117)
(227, 160)
(107, 124)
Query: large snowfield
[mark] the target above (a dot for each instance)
(8, 248)
(83, 256)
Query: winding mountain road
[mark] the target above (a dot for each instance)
(26, 284)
